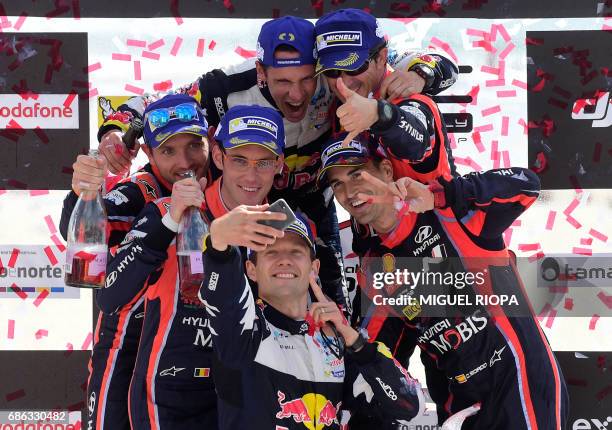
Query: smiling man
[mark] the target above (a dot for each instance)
(456, 225)
(302, 366)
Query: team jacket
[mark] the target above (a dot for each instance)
(292, 379)
(490, 354)
(116, 336)
(175, 351)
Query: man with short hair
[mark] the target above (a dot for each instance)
(457, 224)
(295, 371)
(172, 386)
(410, 129)
(116, 336)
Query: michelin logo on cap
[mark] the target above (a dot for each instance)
(339, 38)
(354, 147)
(253, 123)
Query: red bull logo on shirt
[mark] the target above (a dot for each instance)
(313, 410)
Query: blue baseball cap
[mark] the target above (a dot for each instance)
(345, 39)
(252, 125)
(288, 30)
(303, 227)
(171, 115)
(334, 154)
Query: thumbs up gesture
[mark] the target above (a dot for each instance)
(357, 114)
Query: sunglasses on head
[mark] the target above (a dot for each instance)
(160, 117)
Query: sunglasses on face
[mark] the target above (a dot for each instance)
(160, 117)
(335, 73)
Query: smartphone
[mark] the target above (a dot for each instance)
(280, 206)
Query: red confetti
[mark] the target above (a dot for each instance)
(593, 322)
(519, 84)
(162, 86)
(133, 89)
(93, 67)
(483, 128)
(42, 296)
(569, 304)
(212, 45)
(92, 93)
(478, 141)
(50, 255)
(598, 235)
(506, 158)
(40, 333)
(121, 57)
(20, 21)
(22, 295)
(606, 391)
(581, 251)
(38, 193)
(545, 311)
(494, 150)
(506, 51)
(69, 99)
(557, 103)
(570, 208)
(474, 32)
(69, 349)
(15, 395)
(445, 46)
(175, 12)
(13, 258)
(176, 46)
(502, 30)
(551, 220)
(50, 224)
(551, 318)
(245, 53)
(529, 246)
(606, 299)
(200, 50)
(506, 93)
(137, 72)
(574, 222)
(151, 55)
(136, 43)
(58, 243)
(575, 184)
(505, 121)
(10, 333)
(537, 256)
(508, 236)
(491, 70)
(157, 44)
(87, 341)
(524, 124)
(491, 111)
(485, 45)
(495, 83)
(586, 241)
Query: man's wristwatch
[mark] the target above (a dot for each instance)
(439, 194)
(385, 112)
(358, 344)
(425, 72)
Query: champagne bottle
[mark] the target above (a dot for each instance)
(87, 241)
(191, 232)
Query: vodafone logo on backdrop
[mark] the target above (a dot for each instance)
(47, 112)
